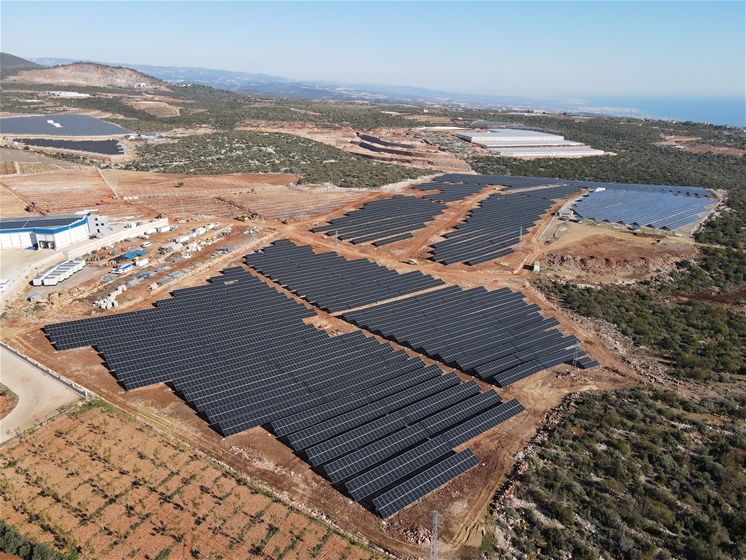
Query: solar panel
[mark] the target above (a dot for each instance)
(422, 484)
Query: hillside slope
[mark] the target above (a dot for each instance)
(86, 74)
(9, 62)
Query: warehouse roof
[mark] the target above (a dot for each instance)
(40, 222)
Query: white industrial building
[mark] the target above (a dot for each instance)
(558, 151)
(507, 137)
(74, 94)
(510, 142)
(50, 232)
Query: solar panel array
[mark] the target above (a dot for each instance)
(495, 226)
(448, 191)
(330, 281)
(42, 222)
(462, 182)
(383, 221)
(104, 147)
(495, 335)
(71, 125)
(644, 208)
(379, 424)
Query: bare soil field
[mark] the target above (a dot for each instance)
(95, 481)
(689, 144)
(10, 204)
(137, 183)
(62, 192)
(604, 254)
(186, 206)
(30, 157)
(293, 203)
(72, 190)
(8, 400)
(156, 108)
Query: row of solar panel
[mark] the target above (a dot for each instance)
(449, 192)
(496, 226)
(493, 334)
(381, 220)
(104, 147)
(654, 209)
(518, 182)
(238, 352)
(332, 282)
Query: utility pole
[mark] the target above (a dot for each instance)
(559, 257)
(434, 536)
(575, 360)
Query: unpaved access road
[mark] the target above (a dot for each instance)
(39, 396)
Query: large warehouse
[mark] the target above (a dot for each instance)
(527, 143)
(50, 232)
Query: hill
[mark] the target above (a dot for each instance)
(9, 61)
(11, 65)
(86, 74)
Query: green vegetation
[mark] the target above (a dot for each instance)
(631, 475)
(715, 270)
(13, 542)
(265, 152)
(702, 340)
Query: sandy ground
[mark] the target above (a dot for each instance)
(39, 396)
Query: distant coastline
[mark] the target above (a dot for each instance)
(720, 111)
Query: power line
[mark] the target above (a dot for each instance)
(434, 536)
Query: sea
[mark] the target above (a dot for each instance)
(722, 111)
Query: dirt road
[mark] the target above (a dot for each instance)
(39, 396)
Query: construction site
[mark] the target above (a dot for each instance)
(369, 356)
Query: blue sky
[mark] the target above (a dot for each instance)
(537, 49)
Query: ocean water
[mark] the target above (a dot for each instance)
(725, 111)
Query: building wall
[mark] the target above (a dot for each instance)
(17, 239)
(98, 224)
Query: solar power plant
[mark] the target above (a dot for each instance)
(104, 147)
(678, 190)
(495, 226)
(644, 208)
(383, 221)
(448, 192)
(511, 182)
(70, 125)
(495, 335)
(380, 425)
(330, 281)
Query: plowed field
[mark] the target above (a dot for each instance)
(96, 481)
